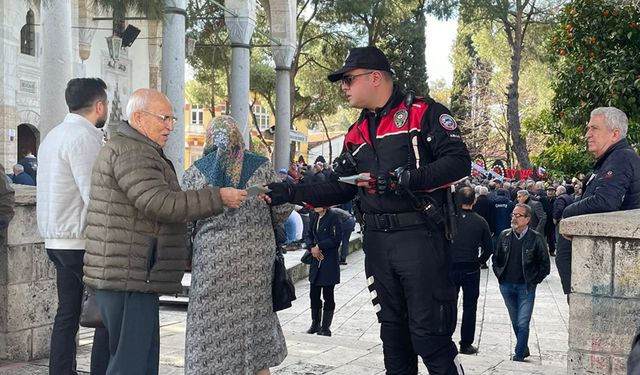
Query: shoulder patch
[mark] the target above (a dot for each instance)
(400, 118)
(447, 122)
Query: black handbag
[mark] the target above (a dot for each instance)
(90, 315)
(282, 290)
(306, 257)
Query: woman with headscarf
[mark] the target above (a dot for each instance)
(231, 326)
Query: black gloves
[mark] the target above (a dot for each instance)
(389, 182)
(281, 193)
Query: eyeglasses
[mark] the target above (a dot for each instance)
(164, 118)
(517, 216)
(348, 80)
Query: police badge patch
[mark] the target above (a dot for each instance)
(447, 122)
(400, 118)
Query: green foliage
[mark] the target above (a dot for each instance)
(595, 49)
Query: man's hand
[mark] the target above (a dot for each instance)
(232, 198)
(281, 192)
(316, 253)
(365, 183)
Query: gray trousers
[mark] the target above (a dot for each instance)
(132, 321)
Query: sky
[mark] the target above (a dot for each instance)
(440, 38)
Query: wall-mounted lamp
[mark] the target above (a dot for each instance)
(114, 43)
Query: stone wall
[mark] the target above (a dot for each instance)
(605, 302)
(28, 298)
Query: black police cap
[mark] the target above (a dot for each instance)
(362, 58)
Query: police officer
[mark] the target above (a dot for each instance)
(404, 150)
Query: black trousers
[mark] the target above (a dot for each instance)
(327, 294)
(408, 273)
(469, 281)
(62, 355)
(563, 261)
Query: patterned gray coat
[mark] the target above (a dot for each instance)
(231, 326)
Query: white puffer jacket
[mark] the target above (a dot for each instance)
(65, 161)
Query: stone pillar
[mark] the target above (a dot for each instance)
(56, 63)
(155, 52)
(282, 16)
(605, 283)
(28, 298)
(282, 143)
(173, 59)
(240, 31)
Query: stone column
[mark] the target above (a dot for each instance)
(173, 59)
(240, 30)
(605, 283)
(28, 298)
(283, 56)
(155, 52)
(56, 63)
(282, 16)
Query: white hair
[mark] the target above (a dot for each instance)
(138, 101)
(613, 118)
(477, 188)
(561, 190)
(483, 190)
(539, 185)
(18, 168)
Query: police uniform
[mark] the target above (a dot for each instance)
(407, 263)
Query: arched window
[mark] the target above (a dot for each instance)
(28, 36)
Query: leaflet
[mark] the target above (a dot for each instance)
(353, 180)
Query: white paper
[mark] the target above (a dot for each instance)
(254, 190)
(353, 179)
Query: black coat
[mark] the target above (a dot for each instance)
(327, 235)
(614, 184)
(485, 207)
(535, 256)
(562, 201)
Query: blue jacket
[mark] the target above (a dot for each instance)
(23, 179)
(327, 235)
(502, 213)
(614, 184)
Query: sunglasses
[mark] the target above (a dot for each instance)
(517, 216)
(348, 80)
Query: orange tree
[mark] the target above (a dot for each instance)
(595, 50)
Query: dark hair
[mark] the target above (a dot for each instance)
(82, 93)
(466, 195)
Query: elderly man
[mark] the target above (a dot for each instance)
(136, 230)
(539, 217)
(20, 177)
(520, 262)
(615, 181)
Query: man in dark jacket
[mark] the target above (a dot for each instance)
(614, 184)
(473, 232)
(539, 217)
(550, 228)
(520, 262)
(502, 211)
(484, 207)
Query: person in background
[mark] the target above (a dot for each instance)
(324, 272)
(67, 156)
(614, 184)
(538, 219)
(29, 162)
(20, 177)
(520, 263)
(473, 233)
(347, 225)
(231, 326)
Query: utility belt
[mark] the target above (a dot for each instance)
(392, 222)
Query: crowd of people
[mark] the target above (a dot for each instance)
(115, 217)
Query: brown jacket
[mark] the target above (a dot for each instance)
(136, 231)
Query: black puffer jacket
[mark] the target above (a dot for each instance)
(535, 256)
(614, 184)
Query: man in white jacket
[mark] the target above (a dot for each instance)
(66, 158)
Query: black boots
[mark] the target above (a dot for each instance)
(316, 316)
(325, 330)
